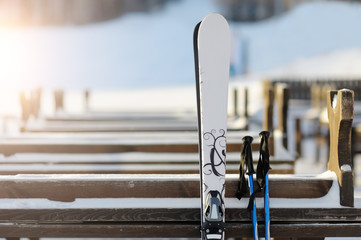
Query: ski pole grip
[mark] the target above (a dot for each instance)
(247, 154)
(264, 140)
(265, 134)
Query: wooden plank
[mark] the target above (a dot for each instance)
(69, 187)
(268, 107)
(101, 168)
(9, 149)
(282, 98)
(36, 147)
(166, 142)
(187, 230)
(59, 100)
(128, 158)
(189, 136)
(173, 215)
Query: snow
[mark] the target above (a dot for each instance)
(155, 49)
(150, 56)
(334, 101)
(133, 51)
(311, 30)
(346, 168)
(330, 200)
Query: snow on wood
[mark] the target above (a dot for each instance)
(330, 200)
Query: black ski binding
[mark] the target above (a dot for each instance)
(213, 226)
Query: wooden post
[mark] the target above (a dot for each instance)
(25, 107)
(246, 102)
(283, 95)
(59, 100)
(268, 109)
(268, 112)
(298, 137)
(35, 100)
(340, 114)
(235, 102)
(316, 96)
(86, 99)
(324, 93)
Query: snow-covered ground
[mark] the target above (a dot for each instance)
(147, 50)
(140, 52)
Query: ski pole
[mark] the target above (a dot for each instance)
(262, 173)
(247, 154)
(254, 214)
(266, 209)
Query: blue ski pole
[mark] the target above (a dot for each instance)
(262, 178)
(247, 156)
(266, 209)
(254, 214)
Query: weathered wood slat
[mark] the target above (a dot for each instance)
(166, 142)
(163, 230)
(126, 158)
(140, 168)
(174, 215)
(282, 99)
(37, 147)
(67, 188)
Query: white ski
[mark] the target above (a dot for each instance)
(212, 59)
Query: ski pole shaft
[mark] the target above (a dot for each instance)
(266, 207)
(246, 154)
(254, 213)
(262, 175)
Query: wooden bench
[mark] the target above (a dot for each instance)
(90, 121)
(132, 161)
(165, 152)
(308, 97)
(318, 114)
(168, 206)
(282, 163)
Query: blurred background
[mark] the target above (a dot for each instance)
(137, 45)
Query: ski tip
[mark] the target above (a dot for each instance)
(214, 17)
(215, 20)
(195, 33)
